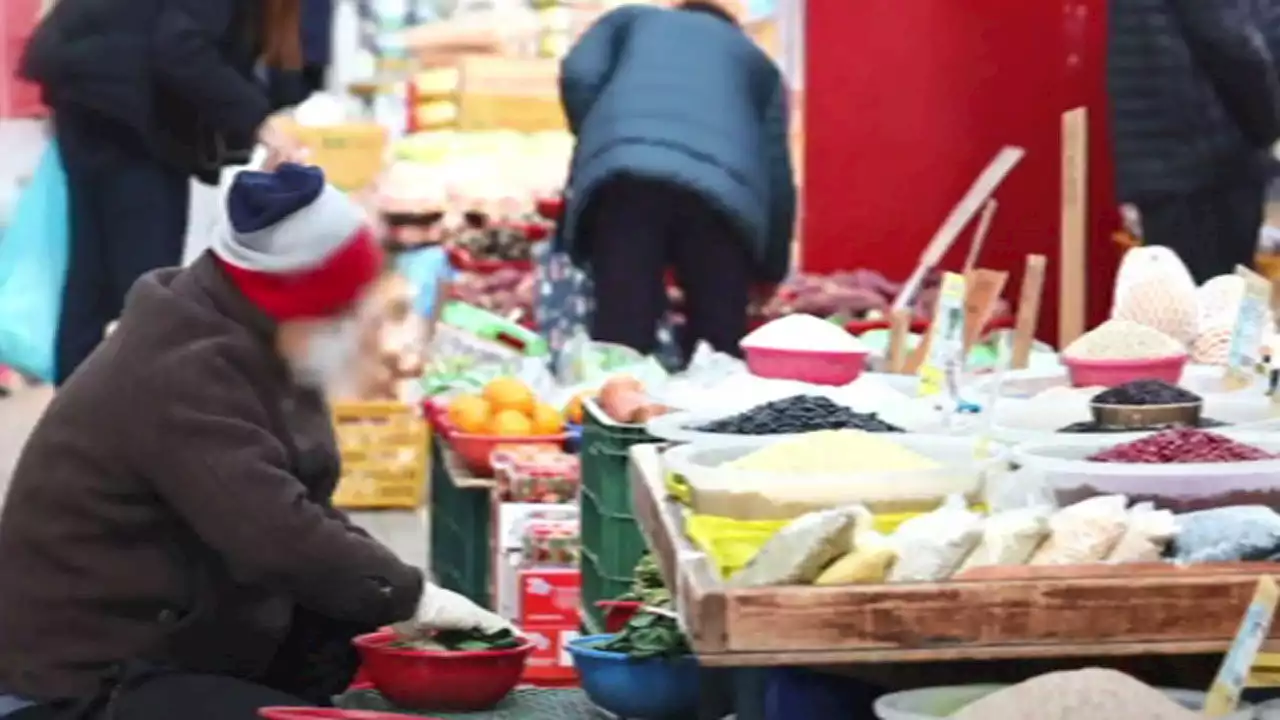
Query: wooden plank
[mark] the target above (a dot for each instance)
(1072, 259)
(1029, 297)
(687, 571)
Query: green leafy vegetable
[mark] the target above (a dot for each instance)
(647, 586)
(648, 635)
(460, 641)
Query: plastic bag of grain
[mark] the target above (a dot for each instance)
(1147, 535)
(1086, 532)
(868, 562)
(1228, 534)
(1153, 287)
(1010, 538)
(798, 552)
(931, 546)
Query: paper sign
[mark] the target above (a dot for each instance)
(1248, 331)
(1224, 693)
(946, 336)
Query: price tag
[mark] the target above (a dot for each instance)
(1245, 352)
(946, 336)
(1224, 693)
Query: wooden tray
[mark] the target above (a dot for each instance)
(1147, 610)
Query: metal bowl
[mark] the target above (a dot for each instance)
(1137, 417)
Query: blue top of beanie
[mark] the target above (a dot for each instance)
(259, 200)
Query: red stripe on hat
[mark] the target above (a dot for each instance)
(323, 291)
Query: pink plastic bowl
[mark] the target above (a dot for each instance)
(1109, 373)
(811, 366)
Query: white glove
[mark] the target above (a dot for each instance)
(442, 609)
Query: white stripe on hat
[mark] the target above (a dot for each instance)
(299, 242)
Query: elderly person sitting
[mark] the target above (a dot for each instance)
(168, 544)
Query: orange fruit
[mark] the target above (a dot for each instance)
(469, 413)
(573, 411)
(510, 423)
(508, 393)
(546, 420)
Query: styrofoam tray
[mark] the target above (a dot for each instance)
(769, 495)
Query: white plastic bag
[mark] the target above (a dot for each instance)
(1086, 532)
(1149, 532)
(931, 546)
(1010, 538)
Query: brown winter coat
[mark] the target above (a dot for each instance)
(172, 505)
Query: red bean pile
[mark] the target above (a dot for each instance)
(1181, 445)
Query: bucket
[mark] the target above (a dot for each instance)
(943, 702)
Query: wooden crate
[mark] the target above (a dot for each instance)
(385, 449)
(492, 93)
(1122, 611)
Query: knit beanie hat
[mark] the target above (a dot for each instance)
(295, 246)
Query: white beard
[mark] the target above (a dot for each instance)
(330, 359)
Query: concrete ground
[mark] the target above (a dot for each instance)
(403, 531)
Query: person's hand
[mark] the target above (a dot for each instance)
(442, 609)
(281, 144)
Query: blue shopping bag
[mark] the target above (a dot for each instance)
(33, 270)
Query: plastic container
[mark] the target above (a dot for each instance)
(943, 702)
(314, 713)
(1180, 487)
(617, 613)
(476, 450)
(811, 366)
(653, 689)
(443, 681)
(1109, 373)
(1203, 380)
(743, 494)
(385, 450)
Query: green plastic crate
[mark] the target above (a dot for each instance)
(460, 519)
(611, 541)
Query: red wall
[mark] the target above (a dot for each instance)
(906, 102)
(17, 19)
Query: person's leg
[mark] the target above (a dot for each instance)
(714, 269)
(150, 201)
(84, 313)
(196, 697)
(316, 660)
(1185, 225)
(624, 230)
(1238, 212)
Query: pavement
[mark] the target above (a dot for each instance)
(403, 531)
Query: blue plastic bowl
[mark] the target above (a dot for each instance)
(655, 689)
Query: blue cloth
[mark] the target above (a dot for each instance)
(687, 98)
(317, 31)
(259, 200)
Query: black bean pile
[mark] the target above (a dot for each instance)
(1089, 426)
(1146, 392)
(797, 414)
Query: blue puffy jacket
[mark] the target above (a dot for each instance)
(687, 98)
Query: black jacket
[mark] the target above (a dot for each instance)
(179, 73)
(1194, 94)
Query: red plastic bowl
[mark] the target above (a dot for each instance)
(443, 681)
(476, 450)
(811, 366)
(617, 613)
(311, 713)
(1109, 373)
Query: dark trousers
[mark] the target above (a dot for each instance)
(128, 215)
(315, 663)
(1213, 230)
(634, 230)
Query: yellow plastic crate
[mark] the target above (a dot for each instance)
(351, 155)
(386, 453)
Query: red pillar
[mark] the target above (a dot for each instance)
(906, 101)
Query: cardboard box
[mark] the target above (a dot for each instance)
(351, 155)
(550, 596)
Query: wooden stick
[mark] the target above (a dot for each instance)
(1029, 296)
(984, 186)
(899, 329)
(982, 290)
(1071, 267)
(980, 234)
